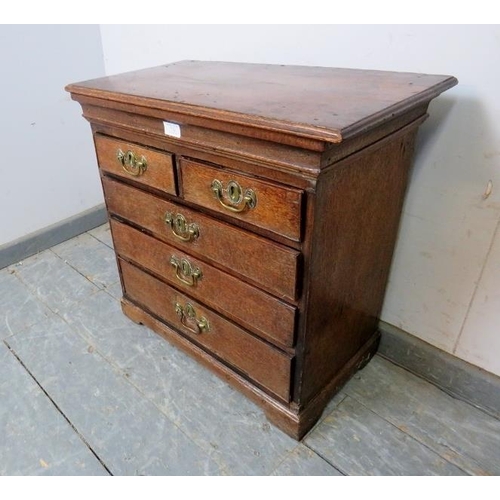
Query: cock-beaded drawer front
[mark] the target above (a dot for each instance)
(132, 161)
(249, 306)
(266, 365)
(271, 266)
(257, 202)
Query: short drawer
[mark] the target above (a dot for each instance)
(269, 265)
(266, 365)
(131, 161)
(249, 306)
(257, 202)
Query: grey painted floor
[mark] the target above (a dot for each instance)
(84, 391)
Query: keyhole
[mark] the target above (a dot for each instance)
(130, 158)
(180, 224)
(185, 268)
(234, 192)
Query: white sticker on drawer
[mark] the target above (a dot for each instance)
(172, 129)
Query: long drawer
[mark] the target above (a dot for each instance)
(266, 365)
(267, 264)
(254, 309)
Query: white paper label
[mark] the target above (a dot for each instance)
(172, 129)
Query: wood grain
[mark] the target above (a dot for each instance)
(326, 104)
(282, 414)
(266, 365)
(196, 135)
(360, 202)
(360, 442)
(278, 209)
(268, 264)
(159, 172)
(458, 432)
(286, 171)
(298, 280)
(259, 312)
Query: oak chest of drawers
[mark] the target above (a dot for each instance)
(254, 211)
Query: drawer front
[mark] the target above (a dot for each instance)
(271, 266)
(263, 363)
(258, 202)
(137, 163)
(254, 309)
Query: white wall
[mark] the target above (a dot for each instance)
(47, 166)
(445, 280)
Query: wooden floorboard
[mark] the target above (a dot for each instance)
(455, 430)
(90, 391)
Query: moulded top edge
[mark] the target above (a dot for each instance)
(325, 104)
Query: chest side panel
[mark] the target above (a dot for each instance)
(357, 213)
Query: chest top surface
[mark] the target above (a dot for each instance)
(328, 104)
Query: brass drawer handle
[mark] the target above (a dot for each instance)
(180, 227)
(239, 200)
(185, 271)
(187, 315)
(131, 164)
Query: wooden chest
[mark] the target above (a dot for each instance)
(254, 211)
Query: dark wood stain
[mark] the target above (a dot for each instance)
(259, 312)
(360, 202)
(266, 365)
(278, 209)
(293, 288)
(159, 172)
(196, 134)
(272, 266)
(328, 104)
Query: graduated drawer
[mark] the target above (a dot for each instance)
(249, 306)
(261, 362)
(131, 161)
(268, 264)
(261, 203)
